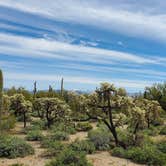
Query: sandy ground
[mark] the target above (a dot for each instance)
(98, 159)
(33, 160)
(105, 159)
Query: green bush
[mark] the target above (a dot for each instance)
(118, 152)
(34, 135)
(162, 146)
(83, 126)
(7, 123)
(163, 130)
(152, 131)
(100, 138)
(83, 146)
(68, 128)
(59, 136)
(55, 148)
(39, 124)
(69, 157)
(12, 147)
(149, 155)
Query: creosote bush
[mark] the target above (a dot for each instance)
(54, 148)
(163, 130)
(60, 136)
(100, 138)
(68, 128)
(68, 157)
(34, 135)
(83, 146)
(83, 126)
(148, 154)
(12, 147)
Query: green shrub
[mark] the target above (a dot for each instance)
(7, 123)
(162, 146)
(47, 142)
(34, 135)
(83, 146)
(69, 157)
(59, 136)
(152, 131)
(39, 124)
(100, 138)
(83, 126)
(149, 155)
(163, 130)
(12, 147)
(118, 152)
(55, 148)
(126, 137)
(68, 128)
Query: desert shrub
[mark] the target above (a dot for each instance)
(149, 155)
(68, 157)
(83, 126)
(69, 128)
(40, 124)
(162, 146)
(83, 146)
(12, 147)
(55, 148)
(118, 152)
(59, 136)
(126, 137)
(163, 130)
(49, 140)
(34, 135)
(100, 138)
(7, 123)
(152, 131)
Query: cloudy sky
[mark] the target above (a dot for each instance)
(86, 42)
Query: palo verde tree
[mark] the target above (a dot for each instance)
(103, 103)
(52, 110)
(20, 106)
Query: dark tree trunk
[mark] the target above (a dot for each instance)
(24, 114)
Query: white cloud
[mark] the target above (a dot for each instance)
(33, 47)
(136, 24)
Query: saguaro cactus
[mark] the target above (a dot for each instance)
(62, 87)
(34, 90)
(1, 95)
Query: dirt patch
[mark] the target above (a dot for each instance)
(105, 159)
(33, 160)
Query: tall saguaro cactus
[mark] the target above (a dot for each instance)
(62, 87)
(34, 90)
(1, 95)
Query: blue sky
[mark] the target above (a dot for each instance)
(85, 42)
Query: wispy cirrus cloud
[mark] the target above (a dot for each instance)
(107, 16)
(34, 47)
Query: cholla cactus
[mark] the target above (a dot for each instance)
(1, 94)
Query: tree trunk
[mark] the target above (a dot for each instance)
(24, 119)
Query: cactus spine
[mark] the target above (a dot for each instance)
(1, 95)
(62, 87)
